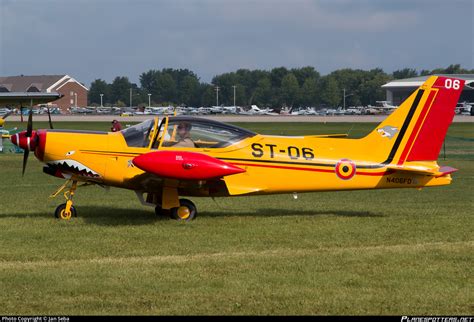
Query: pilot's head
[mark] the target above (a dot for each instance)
(183, 129)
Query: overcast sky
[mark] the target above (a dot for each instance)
(91, 39)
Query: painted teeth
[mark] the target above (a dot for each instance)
(74, 166)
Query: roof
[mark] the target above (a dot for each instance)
(42, 83)
(418, 81)
(28, 97)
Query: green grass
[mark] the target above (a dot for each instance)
(363, 252)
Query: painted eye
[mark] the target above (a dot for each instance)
(70, 153)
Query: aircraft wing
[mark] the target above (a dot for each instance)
(342, 135)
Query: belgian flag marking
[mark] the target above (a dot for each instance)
(345, 169)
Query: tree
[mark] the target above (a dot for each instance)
(405, 73)
(452, 69)
(98, 87)
(330, 91)
(166, 87)
(371, 90)
(120, 90)
(304, 73)
(208, 96)
(263, 92)
(148, 81)
(189, 91)
(289, 89)
(309, 92)
(276, 76)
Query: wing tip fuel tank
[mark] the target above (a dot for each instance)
(184, 165)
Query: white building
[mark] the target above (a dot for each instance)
(399, 89)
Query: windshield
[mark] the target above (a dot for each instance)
(188, 132)
(139, 134)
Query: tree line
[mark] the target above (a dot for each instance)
(278, 87)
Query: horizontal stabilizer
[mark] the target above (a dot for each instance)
(445, 170)
(433, 170)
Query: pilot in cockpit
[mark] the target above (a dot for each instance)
(184, 136)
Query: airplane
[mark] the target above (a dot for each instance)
(386, 105)
(353, 110)
(285, 110)
(464, 108)
(80, 110)
(5, 111)
(255, 110)
(224, 160)
(333, 112)
(382, 107)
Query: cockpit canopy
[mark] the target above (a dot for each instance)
(181, 131)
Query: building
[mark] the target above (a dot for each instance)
(73, 92)
(399, 89)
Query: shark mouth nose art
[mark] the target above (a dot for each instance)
(74, 167)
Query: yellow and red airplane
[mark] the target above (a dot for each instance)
(188, 156)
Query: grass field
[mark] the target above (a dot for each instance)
(362, 252)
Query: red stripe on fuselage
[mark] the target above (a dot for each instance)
(310, 169)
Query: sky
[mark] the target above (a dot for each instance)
(91, 39)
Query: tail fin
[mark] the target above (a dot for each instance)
(416, 130)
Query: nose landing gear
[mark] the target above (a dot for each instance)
(66, 210)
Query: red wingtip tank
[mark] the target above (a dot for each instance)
(184, 165)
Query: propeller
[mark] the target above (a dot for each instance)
(7, 115)
(49, 118)
(21, 113)
(29, 131)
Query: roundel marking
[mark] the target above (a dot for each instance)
(345, 169)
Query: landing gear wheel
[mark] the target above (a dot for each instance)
(187, 211)
(60, 212)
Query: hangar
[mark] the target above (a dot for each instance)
(399, 89)
(69, 90)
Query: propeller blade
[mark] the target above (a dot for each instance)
(21, 113)
(25, 159)
(29, 128)
(7, 115)
(49, 117)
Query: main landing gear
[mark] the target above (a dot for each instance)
(186, 211)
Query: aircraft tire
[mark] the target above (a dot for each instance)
(58, 213)
(186, 212)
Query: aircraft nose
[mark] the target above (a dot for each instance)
(24, 142)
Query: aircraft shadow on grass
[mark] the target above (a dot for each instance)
(273, 212)
(105, 216)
